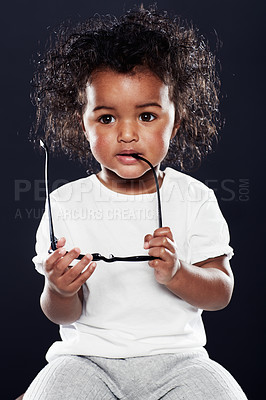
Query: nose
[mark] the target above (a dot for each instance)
(127, 132)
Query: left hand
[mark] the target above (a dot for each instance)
(161, 244)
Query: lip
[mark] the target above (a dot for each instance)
(128, 151)
(125, 156)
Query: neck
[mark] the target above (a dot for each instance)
(142, 185)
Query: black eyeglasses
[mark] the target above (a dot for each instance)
(98, 256)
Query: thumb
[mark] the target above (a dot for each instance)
(147, 239)
(61, 242)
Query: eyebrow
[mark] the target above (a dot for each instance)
(138, 106)
(103, 107)
(149, 105)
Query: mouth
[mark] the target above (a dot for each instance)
(128, 153)
(128, 156)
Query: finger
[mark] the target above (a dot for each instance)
(61, 265)
(72, 273)
(83, 277)
(155, 263)
(162, 241)
(54, 258)
(147, 239)
(165, 231)
(61, 242)
(162, 253)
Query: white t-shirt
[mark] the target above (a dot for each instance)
(126, 312)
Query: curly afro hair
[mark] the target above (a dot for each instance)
(172, 49)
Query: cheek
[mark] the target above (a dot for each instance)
(91, 135)
(165, 146)
(161, 142)
(163, 138)
(100, 146)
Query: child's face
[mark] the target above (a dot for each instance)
(128, 114)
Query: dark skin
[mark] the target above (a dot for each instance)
(207, 284)
(132, 113)
(62, 296)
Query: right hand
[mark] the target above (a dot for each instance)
(61, 278)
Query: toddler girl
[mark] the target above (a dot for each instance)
(120, 90)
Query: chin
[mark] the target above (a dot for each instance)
(129, 176)
(128, 173)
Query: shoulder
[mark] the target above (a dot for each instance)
(186, 186)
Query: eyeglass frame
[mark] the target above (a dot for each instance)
(98, 256)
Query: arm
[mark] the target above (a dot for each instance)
(207, 285)
(61, 299)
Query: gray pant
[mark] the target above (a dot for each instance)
(165, 376)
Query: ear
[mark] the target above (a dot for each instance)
(84, 129)
(175, 128)
(80, 121)
(83, 126)
(86, 135)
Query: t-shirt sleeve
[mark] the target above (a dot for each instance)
(209, 234)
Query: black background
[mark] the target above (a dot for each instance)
(235, 171)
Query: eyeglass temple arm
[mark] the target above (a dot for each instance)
(53, 239)
(157, 187)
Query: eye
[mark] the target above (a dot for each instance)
(147, 117)
(106, 119)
